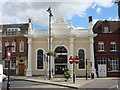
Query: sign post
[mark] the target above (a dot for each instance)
(8, 58)
(73, 60)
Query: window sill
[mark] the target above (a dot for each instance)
(113, 50)
(101, 51)
(113, 71)
(81, 69)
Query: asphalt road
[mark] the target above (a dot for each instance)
(103, 83)
(97, 84)
(17, 84)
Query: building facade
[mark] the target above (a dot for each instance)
(13, 35)
(65, 42)
(107, 48)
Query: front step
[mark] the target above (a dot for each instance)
(58, 76)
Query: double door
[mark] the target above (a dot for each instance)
(60, 64)
(59, 69)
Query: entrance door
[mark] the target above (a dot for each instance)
(59, 69)
(61, 60)
(102, 70)
(21, 69)
(60, 64)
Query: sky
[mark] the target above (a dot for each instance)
(75, 11)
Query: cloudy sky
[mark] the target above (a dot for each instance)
(75, 11)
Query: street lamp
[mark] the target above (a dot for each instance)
(8, 58)
(74, 60)
(50, 15)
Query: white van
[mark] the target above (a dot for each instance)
(2, 76)
(1, 72)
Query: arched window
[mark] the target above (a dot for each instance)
(61, 49)
(81, 55)
(40, 59)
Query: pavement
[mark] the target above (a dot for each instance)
(58, 81)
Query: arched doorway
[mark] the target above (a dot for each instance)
(61, 60)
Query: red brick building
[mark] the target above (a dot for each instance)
(13, 34)
(107, 48)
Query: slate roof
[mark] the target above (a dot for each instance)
(23, 26)
(114, 26)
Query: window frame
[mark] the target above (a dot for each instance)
(13, 49)
(101, 60)
(113, 61)
(101, 47)
(83, 58)
(37, 60)
(113, 44)
(105, 29)
(20, 46)
(11, 62)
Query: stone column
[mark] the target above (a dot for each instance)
(93, 70)
(29, 69)
(71, 50)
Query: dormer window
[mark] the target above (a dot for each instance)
(105, 30)
(12, 31)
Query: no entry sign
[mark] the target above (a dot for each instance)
(9, 54)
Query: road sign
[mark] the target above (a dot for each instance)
(9, 54)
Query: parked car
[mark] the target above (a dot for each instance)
(3, 77)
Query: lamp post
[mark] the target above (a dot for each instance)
(8, 58)
(50, 15)
(74, 60)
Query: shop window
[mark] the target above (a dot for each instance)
(6, 64)
(40, 59)
(81, 55)
(13, 64)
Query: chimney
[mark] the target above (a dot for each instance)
(90, 19)
(90, 24)
(71, 26)
(30, 20)
(30, 25)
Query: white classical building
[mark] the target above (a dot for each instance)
(65, 42)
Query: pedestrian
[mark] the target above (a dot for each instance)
(67, 74)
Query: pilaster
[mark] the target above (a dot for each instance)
(29, 69)
(93, 70)
(71, 53)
